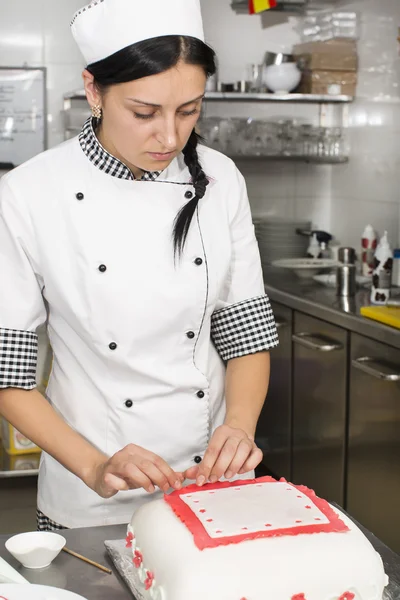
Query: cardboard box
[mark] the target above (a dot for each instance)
(332, 55)
(334, 83)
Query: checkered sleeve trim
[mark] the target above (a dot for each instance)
(18, 359)
(244, 328)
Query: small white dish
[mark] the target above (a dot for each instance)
(36, 592)
(36, 549)
(305, 268)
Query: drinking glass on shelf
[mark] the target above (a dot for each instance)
(254, 76)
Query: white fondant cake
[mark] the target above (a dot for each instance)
(251, 540)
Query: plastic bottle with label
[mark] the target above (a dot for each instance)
(382, 273)
(368, 244)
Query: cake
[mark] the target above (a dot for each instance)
(257, 539)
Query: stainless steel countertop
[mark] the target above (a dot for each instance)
(72, 574)
(321, 302)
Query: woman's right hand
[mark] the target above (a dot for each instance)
(131, 468)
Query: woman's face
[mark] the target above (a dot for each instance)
(147, 123)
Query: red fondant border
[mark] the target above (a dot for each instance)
(203, 540)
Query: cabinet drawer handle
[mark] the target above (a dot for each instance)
(280, 323)
(376, 368)
(317, 342)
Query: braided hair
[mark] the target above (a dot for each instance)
(200, 183)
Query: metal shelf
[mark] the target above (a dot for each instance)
(304, 98)
(281, 157)
(254, 97)
(19, 473)
(8, 470)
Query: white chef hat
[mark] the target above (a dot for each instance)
(104, 27)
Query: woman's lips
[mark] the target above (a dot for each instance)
(161, 156)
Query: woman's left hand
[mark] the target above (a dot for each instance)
(231, 452)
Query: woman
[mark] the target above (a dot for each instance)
(137, 247)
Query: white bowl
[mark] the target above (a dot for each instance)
(36, 549)
(305, 268)
(282, 78)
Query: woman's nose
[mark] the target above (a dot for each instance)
(168, 134)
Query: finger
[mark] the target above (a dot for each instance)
(155, 475)
(112, 484)
(211, 456)
(192, 472)
(135, 477)
(252, 462)
(243, 453)
(173, 479)
(225, 458)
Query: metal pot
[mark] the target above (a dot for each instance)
(277, 58)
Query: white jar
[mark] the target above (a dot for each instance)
(282, 78)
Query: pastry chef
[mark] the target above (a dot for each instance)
(135, 245)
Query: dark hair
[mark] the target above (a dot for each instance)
(151, 57)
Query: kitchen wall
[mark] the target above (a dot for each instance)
(341, 198)
(36, 33)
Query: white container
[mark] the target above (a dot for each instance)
(36, 549)
(282, 79)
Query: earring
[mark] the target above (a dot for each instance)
(96, 111)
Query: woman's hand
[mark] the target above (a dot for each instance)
(231, 452)
(131, 468)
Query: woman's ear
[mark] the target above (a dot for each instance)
(92, 93)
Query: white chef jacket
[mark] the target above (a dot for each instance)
(139, 340)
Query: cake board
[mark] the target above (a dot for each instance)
(121, 557)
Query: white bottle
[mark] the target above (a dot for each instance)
(382, 273)
(314, 249)
(368, 245)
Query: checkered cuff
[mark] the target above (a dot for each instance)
(244, 328)
(18, 359)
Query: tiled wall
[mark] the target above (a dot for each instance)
(36, 33)
(368, 188)
(342, 199)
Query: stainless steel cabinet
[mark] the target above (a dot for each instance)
(274, 427)
(373, 488)
(319, 406)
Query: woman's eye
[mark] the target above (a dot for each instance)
(189, 114)
(144, 117)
